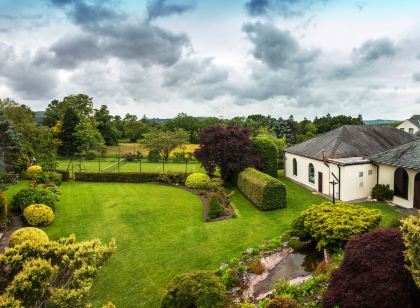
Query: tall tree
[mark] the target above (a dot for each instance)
(69, 144)
(164, 141)
(106, 126)
(9, 145)
(87, 136)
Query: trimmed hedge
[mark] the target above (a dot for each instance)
(125, 177)
(38, 215)
(197, 181)
(31, 234)
(267, 151)
(264, 191)
(28, 196)
(65, 175)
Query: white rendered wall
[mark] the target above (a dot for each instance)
(406, 125)
(357, 182)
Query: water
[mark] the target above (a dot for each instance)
(299, 263)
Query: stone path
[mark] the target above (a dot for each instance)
(16, 224)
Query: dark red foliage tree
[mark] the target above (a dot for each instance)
(229, 148)
(372, 274)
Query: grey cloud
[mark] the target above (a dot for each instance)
(161, 8)
(416, 77)
(278, 49)
(285, 8)
(373, 50)
(418, 56)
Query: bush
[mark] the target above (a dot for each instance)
(256, 267)
(411, 235)
(128, 177)
(197, 181)
(3, 206)
(230, 278)
(173, 178)
(282, 302)
(372, 274)
(215, 185)
(38, 215)
(65, 175)
(32, 170)
(129, 157)
(382, 192)
(153, 156)
(268, 153)
(264, 191)
(28, 196)
(48, 178)
(90, 155)
(199, 289)
(216, 209)
(9, 302)
(332, 225)
(33, 235)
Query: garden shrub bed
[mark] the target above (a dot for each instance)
(206, 199)
(125, 177)
(264, 191)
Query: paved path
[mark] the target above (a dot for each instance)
(16, 224)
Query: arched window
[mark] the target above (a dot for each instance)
(294, 166)
(401, 183)
(311, 173)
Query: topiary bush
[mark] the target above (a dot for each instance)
(267, 151)
(411, 234)
(30, 234)
(199, 289)
(264, 191)
(28, 196)
(35, 169)
(38, 215)
(48, 178)
(332, 225)
(382, 192)
(372, 274)
(197, 181)
(216, 208)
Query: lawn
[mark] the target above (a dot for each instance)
(160, 233)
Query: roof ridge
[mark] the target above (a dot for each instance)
(392, 149)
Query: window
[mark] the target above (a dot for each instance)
(294, 166)
(311, 174)
(402, 128)
(360, 174)
(411, 131)
(401, 183)
(370, 172)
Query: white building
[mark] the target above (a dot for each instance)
(342, 156)
(411, 126)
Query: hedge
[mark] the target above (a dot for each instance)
(65, 175)
(264, 191)
(267, 151)
(125, 177)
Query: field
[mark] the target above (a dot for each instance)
(160, 233)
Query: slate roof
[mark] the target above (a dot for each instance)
(351, 141)
(406, 155)
(415, 119)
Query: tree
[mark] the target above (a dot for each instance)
(106, 126)
(9, 145)
(135, 130)
(228, 148)
(267, 152)
(67, 135)
(165, 141)
(87, 137)
(188, 123)
(372, 274)
(411, 234)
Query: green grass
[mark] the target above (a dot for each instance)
(160, 233)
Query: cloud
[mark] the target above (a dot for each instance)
(416, 77)
(373, 50)
(278, 49)
(285, 8)
(161, 8)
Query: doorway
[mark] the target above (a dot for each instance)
(320, 182)
(416, 202)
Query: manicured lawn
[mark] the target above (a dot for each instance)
(160, 233)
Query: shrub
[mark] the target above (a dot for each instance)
(28, 196)
(282, 302)
(267, 151)
(216, 209)
(230, 278)
(197, 181)
(264, 191)
(127, 177)
(332, 225)
(411, 235)
(215, 185)
(32, 170)
(65, 175)
(38, 215)
(199, 289)
(48, 178)
(372, 273)
(9, 302)
(382, 192)
(256, 267)
(153, 156)
(33, 235)
(90, 155)
(173, 178)
(3, 206)
(129, 157)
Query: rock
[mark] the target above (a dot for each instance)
(223, 266)
(249, 251)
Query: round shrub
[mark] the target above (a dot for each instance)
(35, 169)
(48, 178)
(282, 302)
(38, 215)
(34, 235)
(372, 274)
(197, 181)
(382, 192)
(196, 289)
(28, 196)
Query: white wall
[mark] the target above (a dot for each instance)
(406, 125)
(386, 176)
(354, 186)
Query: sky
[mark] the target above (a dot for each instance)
(215, 58)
